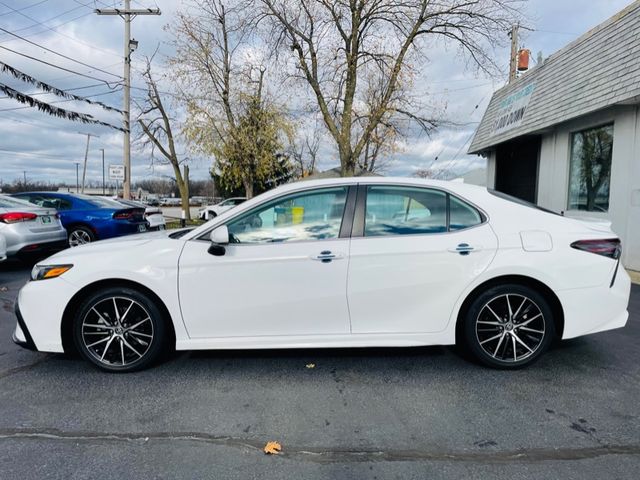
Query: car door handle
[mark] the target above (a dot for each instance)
(464, 249)
(327, 256)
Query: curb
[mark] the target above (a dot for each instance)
(635, 276)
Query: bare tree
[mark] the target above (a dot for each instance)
(357, 56)
(156, 124)
(304, 152)
(230, 114)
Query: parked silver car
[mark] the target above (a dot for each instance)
(3, 248)
(28, 229)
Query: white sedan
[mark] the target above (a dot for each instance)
(332, 263)
(212, 211)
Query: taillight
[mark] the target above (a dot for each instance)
(608, 247)
(15, 217)
(122, 215)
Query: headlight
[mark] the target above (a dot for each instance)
(43, 272)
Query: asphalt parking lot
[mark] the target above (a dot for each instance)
(372, 413)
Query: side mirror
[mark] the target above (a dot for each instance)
(219, 238)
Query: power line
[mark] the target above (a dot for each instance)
(38, 22)
(55, 111)
(60, 101)
(88, 71)
(60, 54)
(37, 124)
(53, 29)
(57, 66)
(34, 154)
(25, 8)
(443, 170)
(66, 89)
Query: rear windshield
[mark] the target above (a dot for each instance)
(8, 202)
(101, 201)
(131, 203)
(519, 201)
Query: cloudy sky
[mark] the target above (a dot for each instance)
(46, 148)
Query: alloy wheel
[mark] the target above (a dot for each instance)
(79, 237)
(117, 331)
(510, 327)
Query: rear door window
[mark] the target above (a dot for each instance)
(462, 215)
(404, 211)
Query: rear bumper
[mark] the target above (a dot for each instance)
(49, 247)
(36, 242)
(596, 309)
(120, 229)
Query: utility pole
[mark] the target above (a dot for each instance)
(102, 150)
(77, 178)
(513, 62)
(127, 14)
(86, 155)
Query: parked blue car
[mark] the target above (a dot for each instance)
(88, 218)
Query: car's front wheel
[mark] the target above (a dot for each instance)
(80, 236)
(508, 326)
(119, 330)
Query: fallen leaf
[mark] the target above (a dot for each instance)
(310, 365)
(272, 448)
(3, 289)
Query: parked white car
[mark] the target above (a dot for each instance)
(212, 211)
(3, 248)
(331, 263)
(153, 215)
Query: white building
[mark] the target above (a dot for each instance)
(566, 135)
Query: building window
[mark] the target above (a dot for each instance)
(590, 169)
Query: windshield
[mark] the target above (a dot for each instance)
(100, 201)
(9, 202)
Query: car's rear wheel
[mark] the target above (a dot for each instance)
(211, 215)
(119, 330)
(80, 235)
(509, 326)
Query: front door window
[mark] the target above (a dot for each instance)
(315, 215)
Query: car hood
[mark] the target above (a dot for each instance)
(111, 247)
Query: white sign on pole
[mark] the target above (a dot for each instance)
(116, 172)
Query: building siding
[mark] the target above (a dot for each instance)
(598, 70)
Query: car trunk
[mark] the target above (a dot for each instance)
(46, 219)
(133, 215)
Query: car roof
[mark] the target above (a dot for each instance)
(453, 186)
(473, 193)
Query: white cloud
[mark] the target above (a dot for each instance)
(451, 86)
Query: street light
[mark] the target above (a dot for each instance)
(77, 178)
(102, 150)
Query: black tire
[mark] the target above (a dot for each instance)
(132, 345)
(80, 235)
(502, 340)
(211, 215)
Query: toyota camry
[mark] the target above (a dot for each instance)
(358, 262)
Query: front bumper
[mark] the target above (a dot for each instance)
(39, 310)
(21, 335)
